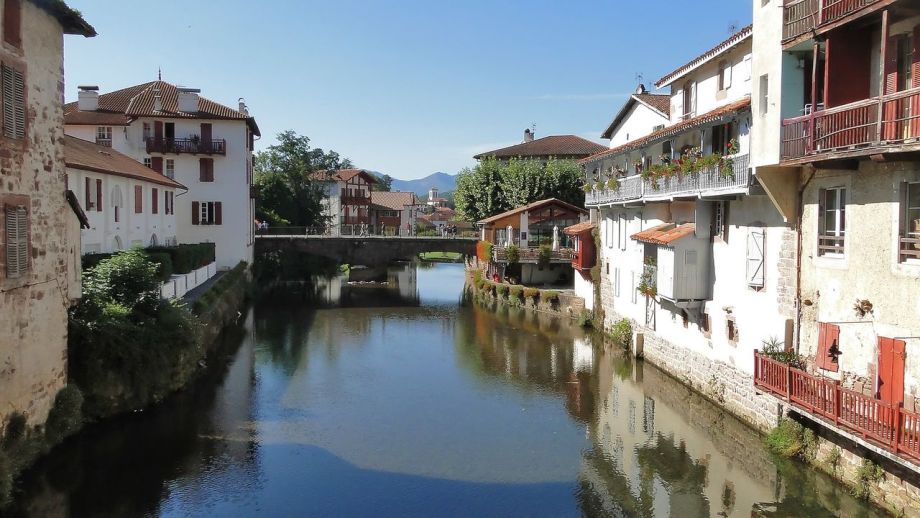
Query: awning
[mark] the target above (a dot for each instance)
(579, 228)
(665, 234)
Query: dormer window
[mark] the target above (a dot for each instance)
(725, 75)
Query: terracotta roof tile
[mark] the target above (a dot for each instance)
(89, 156)
(665, 234)
(560, 146)
(673, 129)
(531, 206)
(121, 106)
(732, 40)
(579, 228)
(393, 200)
(342, 175)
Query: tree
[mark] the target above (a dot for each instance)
(384, 183)
(492, 186)
(283, 174)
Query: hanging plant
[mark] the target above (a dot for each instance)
(613, 184)
(513, 254)
(732, 148)
(727, 168)
(588, 188)
(599, 185)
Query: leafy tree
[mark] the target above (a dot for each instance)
(283, 173)
(384, 183)
(492, 186)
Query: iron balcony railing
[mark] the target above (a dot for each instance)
(702, 183)
(802, 16)
(195, 146)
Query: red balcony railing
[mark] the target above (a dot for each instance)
(853, 126)
(187, 145)
(888, 425)
(801, 16)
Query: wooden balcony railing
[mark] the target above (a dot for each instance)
(886, 424)
(801, 16)
(187, 145)
(853, 126)
(830, 244)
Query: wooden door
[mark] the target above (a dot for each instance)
(891, 370)
(206, 137)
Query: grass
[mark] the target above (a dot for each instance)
(441, 257)
(791, 439)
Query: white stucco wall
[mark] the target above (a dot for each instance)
(639, 121)
(706, 79)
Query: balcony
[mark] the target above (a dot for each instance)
(532, 255)
(860, 128)
(355, 198)
(702, 183)
(885, 425)
(801, 17)
(187, 145)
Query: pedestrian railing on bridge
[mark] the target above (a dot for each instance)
(361, 231)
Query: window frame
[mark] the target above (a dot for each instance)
(11, 131)
(838, 233)
(16, 203)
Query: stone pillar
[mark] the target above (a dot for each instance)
(525, 230)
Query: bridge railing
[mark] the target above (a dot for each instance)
(361, 231)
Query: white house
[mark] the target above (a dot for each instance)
(203, 145)
(642, 114)
(395, 212)
(126, 203)
(687, 235)
(347, 200)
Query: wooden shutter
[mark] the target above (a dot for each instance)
(99, 195)
(196, 212)
(154, 201)
(17, 241)
(828, 342)
(205, 170)
(891, 356)
(156, 163)
(14, 102)
(822, 195)
(218, 218)
(12, 22)
(138, 199)
(755, 259)
(19, 105)
(87, 194)
(158, 131)
(890, 115)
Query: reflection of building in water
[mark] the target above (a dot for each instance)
(404, 279)
(584, 354)
(392, 286)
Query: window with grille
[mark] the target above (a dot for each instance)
(104, 136)
(17, 240)
(170, 168)
(148, 162)
(910, 223)
(832, 221)
(12, 87)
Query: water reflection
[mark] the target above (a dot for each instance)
(385, 393)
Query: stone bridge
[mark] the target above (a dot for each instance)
(364, 250)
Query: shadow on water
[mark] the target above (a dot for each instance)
(401, 398)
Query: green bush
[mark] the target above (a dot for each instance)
(513, 254)
(550, 296)
(516, 292)
(164, 264)
(621, 333)
(791, 439)
(187, 257)
(91, 260)
(66, 416)
(532, 293)
(868, 475)
(501, 290)
(585, 319)
(545, 256)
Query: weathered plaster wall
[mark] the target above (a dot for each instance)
(33, 308)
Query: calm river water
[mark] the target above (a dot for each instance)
(363, 400)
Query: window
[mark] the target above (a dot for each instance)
(170, 168)
(910, 222)
(725, 75)
(104, 136)
(722, 135)
(148, 162)
(731, 329)
(832, 221)
(905, 60)
(88, 194)
(17, 240)
(666, 148)
(117, 203)
(616, 282)
(138, 199)
(689, 99)
(205, 169)
(608, 225)
(720, 220)
(706, 325)
(148, 131)
(14, 102)
(621, 230)
(206, 213)
(12, 22)
(755, 259)
(764, 94)
(154, 200)
(99, 195)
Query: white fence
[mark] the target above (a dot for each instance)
(178, 285)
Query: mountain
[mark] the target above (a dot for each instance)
(443, 181)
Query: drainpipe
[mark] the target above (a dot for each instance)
(800, 205)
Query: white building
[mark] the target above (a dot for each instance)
(203, 145)
(347, 201)
(686, 233)
(395, 212)
(126, 203)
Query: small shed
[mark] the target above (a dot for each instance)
(679, 262)
(585, 255)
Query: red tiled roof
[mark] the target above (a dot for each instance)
(665, 234)
(579, 228)
(674, 129)
(658, 102)
(393, 200)
(121, 106)
(531, 206)
(71, 20)
(732, 40)
(342, 175)
(89, 156)
(561, 146)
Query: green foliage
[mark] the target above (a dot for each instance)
(493, 186)
(585, 319)
(163, 260)
(516, 292)
(127, 279)
(513, 254)
(66, 416)
(186, 257)
(613, 184)
(833, 458)
(791, 439)
(531, 293)
(621, 333)
(549, 296)
(216, 292)
(288, 194)
(545, 256)
(384, 183)
(773, 349)
(868, 475)
(501, 290)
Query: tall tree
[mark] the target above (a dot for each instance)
(479, 191)
(384, 183)
(283, 173)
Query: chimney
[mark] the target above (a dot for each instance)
(157, 101)
(243, 109)
(528, 135)
(188, 100)
(88, 98)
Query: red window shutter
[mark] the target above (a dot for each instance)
(12, 22)
(218, 218)
(99, 195)
(156, 163)
(828, 342)
(205, 170)
(821, 353)
(915, 62)
(158, 130)
(196, 212)
(890, 370)
(154, 202)
(891, 65)
(138, 199)
(89, 200)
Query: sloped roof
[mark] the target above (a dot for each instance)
(579, 228)
(122, 106)
(665, 234)
(70, 19)
(532, 206)
(696, 62)
(660, 103)
(393, 200)
(673, 129)
(342, 175)
(89, 156)
(560, 146)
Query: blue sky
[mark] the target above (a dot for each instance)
(404, 87)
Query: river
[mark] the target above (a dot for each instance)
(363, 399)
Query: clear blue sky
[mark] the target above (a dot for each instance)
(405, 87)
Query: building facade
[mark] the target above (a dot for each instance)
(201, 144)
(40, 245)
(347, 200)
(553, 146)
(395, 213)
(127, 204)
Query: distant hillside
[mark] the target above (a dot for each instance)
(443, 181)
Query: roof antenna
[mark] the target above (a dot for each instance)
(159, 74)
(733, 27)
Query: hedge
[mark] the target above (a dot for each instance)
(187, 257)
(164, 261)
(214, 293)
